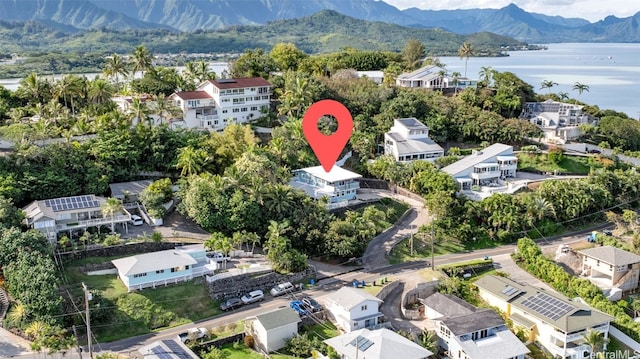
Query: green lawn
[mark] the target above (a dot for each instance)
(577, 165)
(323, 331)
(392, 208)
(144, 311)
(422, 249)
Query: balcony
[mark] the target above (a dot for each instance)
(206, 117)
(191, 104)
(347, 186)
(485, 173)
(94, 222)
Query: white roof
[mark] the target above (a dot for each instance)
(51, 208)
(349, 298)
(150, 262)
(482, 156)
(503, 345)
(167, 349)
(373, 344)
(336, 173)
(422, 73)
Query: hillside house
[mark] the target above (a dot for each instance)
(339, 186)
(69, 214)
(555, 322)
(354, 309)
(610, 267)
(486, 167)
(467, 332)
(435, 78)
(408, 140)
(216, 103)
(557, 120)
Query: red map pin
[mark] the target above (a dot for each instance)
(327, 147)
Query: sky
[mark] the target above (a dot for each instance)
(592, 10)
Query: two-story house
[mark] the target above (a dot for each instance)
(354, 309)
(408, 140)
(380, 343)
(272, 329)
(557, 323)
(557, 120)
(486, 167)
(467, 332)
(216, 103)
(149, 270)
(610, 267)
(68, 214)
(433, 77)
(339, 186)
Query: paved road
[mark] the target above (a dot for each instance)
(377, 253)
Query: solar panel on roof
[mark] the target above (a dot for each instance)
(361, 342)
(160, 352)
(547, 305)
(509, 290)
(174, 347)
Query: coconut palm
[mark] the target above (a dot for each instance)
(486, 75)
(192, 161)
(548, 84)
(278, 199)
(100, 91)
(114, 66)
(142, 60)
(455, 78)
(580, 88)
(165, 109)
(110, 208)
(563, 96)
(202, 72)
(595, 340)
(465, 51)
(138, 110)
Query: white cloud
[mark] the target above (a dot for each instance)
(592, 10)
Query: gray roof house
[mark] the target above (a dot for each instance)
(271, 330)
(129, 191)
(408, 140)
(353, 308)
(610, 267)
(433, 77)
(465, 331)
(488, 166)
(376, 344)
(167, 349)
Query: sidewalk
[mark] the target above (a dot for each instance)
(12, 345)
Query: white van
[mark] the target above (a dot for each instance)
(136, 220)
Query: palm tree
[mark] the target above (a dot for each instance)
(465, 52)
(486, 75)
(165, 107)
(563, 96)
(100, 91)
(580, 88)
(595, 340)
(138, 110)
(219, 242)
(455, 76)
(202, 72)
(278, 199)
(548, 84)
(192, 161)
(142, 60)
(111, 207)
(114, 66)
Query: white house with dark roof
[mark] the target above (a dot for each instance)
(467, 332)
(150, 270)
(408, 140)
(485, 167)
(353, 308)
(557, 323)
(339, 186)
(433, 77)
(376, 344)
(610, 267)
(68, 214)
(216, 103)
(271, 330)
(557, 120)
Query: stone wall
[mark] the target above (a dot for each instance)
(384, 292)
(218, 343)
(237, 286)
(119, 250)
(410, 297)
(373, 183)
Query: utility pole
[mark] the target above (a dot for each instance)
(411, 240)
(87, 298)
(433, 257)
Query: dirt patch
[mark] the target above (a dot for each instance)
(565, 256)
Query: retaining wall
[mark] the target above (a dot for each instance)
(237, 286)
(119, 250)
(421, 291)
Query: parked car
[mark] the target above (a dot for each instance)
(218, 257)
(282, 288)
(253, 297)
(607, 232)
(594, 151)
(136, 220)
(299, 307)
(231, 303)
(311, 304)
(193, 333)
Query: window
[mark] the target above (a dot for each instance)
(265, 97)
(244, 109)
(262, 90)
(363, 308)
(225, 100)
(139, 275)
(256, 98)
(236, 110)
(225, 111)
(160, 271)
(254, 108)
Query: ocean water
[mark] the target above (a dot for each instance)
(612, 72)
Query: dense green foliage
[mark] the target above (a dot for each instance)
(531, 258)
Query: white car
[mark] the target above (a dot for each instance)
(193, 333)
(136, 220)
(282, 288)
(253, 297)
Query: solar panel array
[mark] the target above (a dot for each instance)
(160, 352)
(548, 306)
(509, 291)
(175, 348)
(68, 203)
(361, 342)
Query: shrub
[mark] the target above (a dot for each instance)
(555, 155)
(249, 341)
